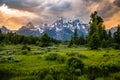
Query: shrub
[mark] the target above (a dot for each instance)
(60, 59)
(82, 56)
(116, 46)
(6, 74)
(9, 59)
(75, 63)
(25, 52)
(48, 77)
(102, 70)
(105, 55)
(51, 56)
(25, 47)
(83, 77)
(78, 72)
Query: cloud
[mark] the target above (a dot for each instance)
(117, 3)
(13, 18)
(50, 10)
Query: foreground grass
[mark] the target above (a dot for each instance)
(29, 65)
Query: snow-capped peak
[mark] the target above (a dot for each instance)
(30, 25)
(4, 29)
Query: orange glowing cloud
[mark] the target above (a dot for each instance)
(19, 12)
(13, 18)
(113, 21)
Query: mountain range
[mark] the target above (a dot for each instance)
(60, 29)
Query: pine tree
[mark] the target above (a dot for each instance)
(104, 43)
(117, 35)
(82, 40)
(96, 30)
(109, 35)
(71, 42)
(75, 37)
(94, 41)
(1, 36)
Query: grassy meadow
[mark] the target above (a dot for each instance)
(51, 63)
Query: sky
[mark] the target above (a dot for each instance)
(16, 13)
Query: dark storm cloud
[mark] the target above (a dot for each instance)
(20, 4)
(62, 6)
(108, 9)
(117, 3)
(50, 10)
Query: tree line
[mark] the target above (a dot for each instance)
(13, 38)
(97, 36)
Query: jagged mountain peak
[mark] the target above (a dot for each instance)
(4, 29)
(30, 25)
(60, 29)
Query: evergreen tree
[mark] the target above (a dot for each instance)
(94, 41)
(1, 36)
(104, 43)
(82, 40)
(96, 31)
(109, 35)
(117, 35)
(75, 37)
(110, 39)
(70, 42)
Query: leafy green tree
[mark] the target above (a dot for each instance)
(45, 40)
(31, 39)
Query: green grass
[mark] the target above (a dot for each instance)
(31, 62)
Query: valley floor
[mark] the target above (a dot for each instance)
(51, 63)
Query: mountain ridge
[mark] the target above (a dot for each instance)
(59, 29)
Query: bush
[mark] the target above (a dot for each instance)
(51, 56)
(25, 52)
(116, 46)
(82, 56)
(60, 59)
(75, 63)
(102, 70)
(25, 47)
(48, 77)
(83, 77)
(105, 55)
(6, 74)
(9, 59)
(76, 54)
